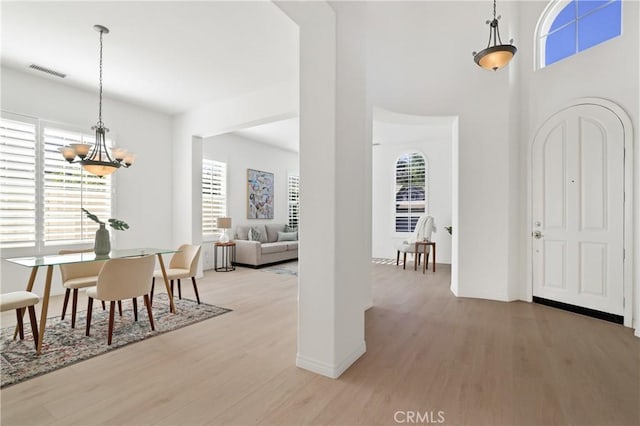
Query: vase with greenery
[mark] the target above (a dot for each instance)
(102, 244)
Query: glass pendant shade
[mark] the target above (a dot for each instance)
(99, 169)
(496, 57)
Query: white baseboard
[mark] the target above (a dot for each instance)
(328, 370)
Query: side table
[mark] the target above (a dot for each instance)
(426, 255)
(228, 256)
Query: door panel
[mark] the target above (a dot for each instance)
(554, 169)
(578, 209)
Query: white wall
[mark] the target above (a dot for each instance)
(240, 154)
(419, 62)
(143, 196)
(263, 106)
(438, 158)
(609, 70)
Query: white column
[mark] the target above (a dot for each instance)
(335, 215)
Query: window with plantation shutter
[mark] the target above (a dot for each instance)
(410, 191)
(17, 183)
(214, 196)
(67, 188)
(294, 200)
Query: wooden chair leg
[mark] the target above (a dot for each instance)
(398, 258)
(112, 312)
(426, 259)
(74, 307)
(179, 290)
(135, 308)
(89, 309)
(147, 303)
(19, 313)
(34, 325)
(195, 288)
(404, 261)
(65, 303)
(120, 307)
(153, 285)
(104, 307)
(172, 292)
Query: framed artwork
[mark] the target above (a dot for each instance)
(259, 194)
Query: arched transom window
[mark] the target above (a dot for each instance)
(567, 27)
(410, 190)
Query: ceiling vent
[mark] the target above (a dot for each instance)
(47, 70)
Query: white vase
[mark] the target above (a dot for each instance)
(102, 245)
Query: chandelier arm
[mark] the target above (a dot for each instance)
(490, 33)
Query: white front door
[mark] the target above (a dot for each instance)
(578, 209)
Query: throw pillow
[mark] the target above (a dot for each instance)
(254, 234)
(287, 236)
(288, 228)
(258, 233)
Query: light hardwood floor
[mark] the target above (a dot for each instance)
(479, 362)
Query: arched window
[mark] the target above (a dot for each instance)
(567, 27)
(410, 190)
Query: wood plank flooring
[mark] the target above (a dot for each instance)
(477, 361)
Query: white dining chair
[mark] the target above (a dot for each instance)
(76, 276)
(120, 279)
(183, 264)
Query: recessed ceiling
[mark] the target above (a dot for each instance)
(169, 56)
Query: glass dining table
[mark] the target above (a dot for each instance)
(36, 262)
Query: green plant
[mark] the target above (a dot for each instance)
(116, 224)
(449, 229)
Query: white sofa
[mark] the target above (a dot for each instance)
(266, 252)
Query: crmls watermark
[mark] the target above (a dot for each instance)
(424, 417)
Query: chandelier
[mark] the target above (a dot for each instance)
(495, 56)
(96, 159)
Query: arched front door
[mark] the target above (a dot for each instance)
(578, 181)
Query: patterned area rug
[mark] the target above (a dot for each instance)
(289, 268)
(64, 346)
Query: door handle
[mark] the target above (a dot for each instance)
(537, 235)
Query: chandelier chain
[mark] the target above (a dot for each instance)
(494, 12)
(100, 123)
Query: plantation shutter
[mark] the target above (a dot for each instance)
(67, 188)
(17, 183)
(214, 196)
(410, 202)
(294, 200)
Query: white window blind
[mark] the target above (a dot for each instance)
(214, 196)
(17, 183)
(294, 200)
(410, 191)
(67, 188)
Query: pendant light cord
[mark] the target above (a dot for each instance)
(100, 123)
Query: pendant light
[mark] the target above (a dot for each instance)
(495, 56)
(97, 160)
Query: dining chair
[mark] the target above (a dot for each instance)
(19, 300)
(183, 264)
(120, 279)
(76, 276)
(422, 232)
